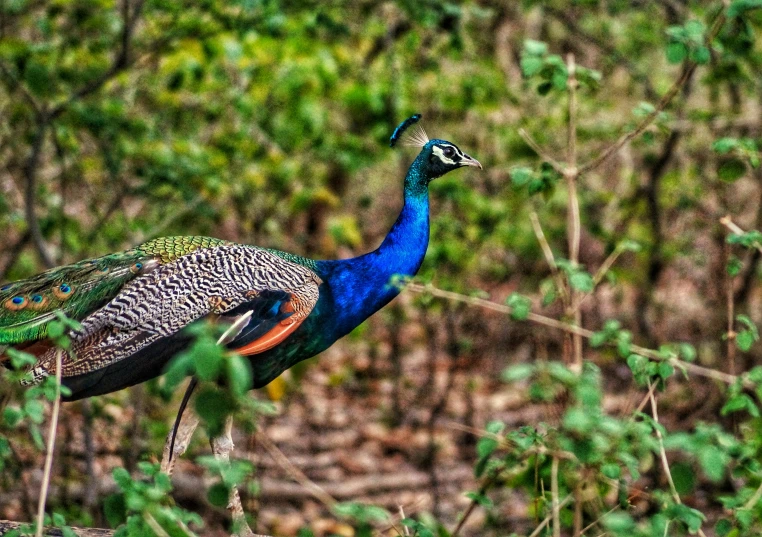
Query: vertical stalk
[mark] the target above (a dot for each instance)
(556, 507)
(51, 444)
(731, 335)
(571, 174)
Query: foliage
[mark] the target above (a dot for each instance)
(266, 122)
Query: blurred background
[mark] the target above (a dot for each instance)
(267, 122)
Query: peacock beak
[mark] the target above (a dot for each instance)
(470, 161)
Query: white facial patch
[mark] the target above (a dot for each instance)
(439, 152)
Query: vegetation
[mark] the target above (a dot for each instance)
(581, 340)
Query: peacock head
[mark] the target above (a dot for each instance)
(437, 157)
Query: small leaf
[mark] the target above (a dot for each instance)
(581, 281)
(218, 495)
(731, 170)
(676, 52)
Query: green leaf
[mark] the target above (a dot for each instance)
(713, 462)
(239, 374)
(520, 176)
(115, 510)
(581, 281)
(701, 55)
(520, 305)
(218, 495)
(731, 170)
(744, 340)
(725, 145)
(530, 65)
(618, 522)
(684, 477)
(486, 446)
(676, 52)
(611, 470)
(535, 48)
(517, 372)
(213, 406)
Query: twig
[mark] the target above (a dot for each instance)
(121, 60)
(540, 151)
(731, 335)
(601, 273)
(474, 502)
(754, 498)
(30, 192)
(315, 490)
(727, 221)
(616, 146)
(663, 453)
(547, 519)
(402, 517)
(555, 506)
(154, 525)
(575, 229)
(585, 333)
(549, 257)
(50, 446)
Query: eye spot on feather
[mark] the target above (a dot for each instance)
(63, 291)
(6, 287)
(136, 268)
(103, 270)
(37, 302)
(16, 303)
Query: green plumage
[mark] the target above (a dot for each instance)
(27, 306)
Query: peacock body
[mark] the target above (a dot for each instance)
(133, 305)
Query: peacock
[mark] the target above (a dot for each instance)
(133, 306)
(280, 308)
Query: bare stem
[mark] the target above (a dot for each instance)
(549, 257)
(548, 518)
(663, 103)
(574, 229)
(49, 448)
(572, 329)
(601, 273)
(554, 498)
(727, 221)
(544, 155)
(317, 492)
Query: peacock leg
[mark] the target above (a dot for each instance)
(185, 430)
(222, 445)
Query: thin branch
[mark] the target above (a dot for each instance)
(663, 103)
(601, 273)
(731, 334)
(754, 498)
(120, 63)
(572, 329)
(556, 509)
(23, 89)
(315, 490)
(727, 221)
(574, 231)
(30, 193)
(549, 257)
(486, 485)
(540, 151)
(569, 21)
(663, 453)
(548, 518)
(49, 448)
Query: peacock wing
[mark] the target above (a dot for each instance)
(28, 306)
(227, 281)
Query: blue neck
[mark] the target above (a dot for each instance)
(362, 285)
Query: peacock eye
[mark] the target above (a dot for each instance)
(449, 152)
